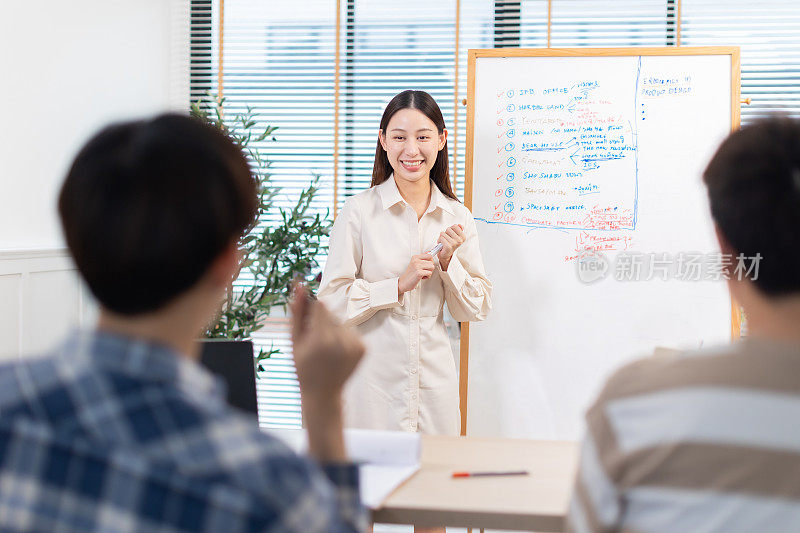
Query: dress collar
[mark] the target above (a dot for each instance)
(438, 199)
(389, 193)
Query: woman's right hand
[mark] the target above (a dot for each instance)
(420, 267)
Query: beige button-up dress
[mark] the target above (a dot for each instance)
(407, 379)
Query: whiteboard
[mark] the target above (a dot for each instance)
(585, 183)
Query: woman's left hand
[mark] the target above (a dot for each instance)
(451, 239)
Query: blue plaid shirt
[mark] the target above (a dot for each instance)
(115, 434)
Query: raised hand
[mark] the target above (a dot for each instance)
(325, 351)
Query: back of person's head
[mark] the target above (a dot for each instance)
(754, 189)
(148, 205)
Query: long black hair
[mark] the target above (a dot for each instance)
(424, 103)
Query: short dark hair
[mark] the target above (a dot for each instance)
(754, 190)
(424, 103)
(148, 205)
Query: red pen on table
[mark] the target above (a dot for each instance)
(491, 474)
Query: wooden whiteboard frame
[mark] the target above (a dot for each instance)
(732, 51)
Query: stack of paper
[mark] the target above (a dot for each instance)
(386, 458)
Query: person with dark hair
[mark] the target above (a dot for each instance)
(381, 278)
(153, 212)
(707, 441)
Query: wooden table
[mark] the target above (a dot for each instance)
(537, 502)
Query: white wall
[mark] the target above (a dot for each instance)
(69, 68)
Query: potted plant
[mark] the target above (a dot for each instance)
(273, 254)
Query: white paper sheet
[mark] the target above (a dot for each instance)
(379, 481)
(387, 458)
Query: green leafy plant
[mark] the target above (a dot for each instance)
(274, 252)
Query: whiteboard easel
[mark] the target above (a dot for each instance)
(691, 98)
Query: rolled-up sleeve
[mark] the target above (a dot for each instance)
(467, 290)
(342, 290)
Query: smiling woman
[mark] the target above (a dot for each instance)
(412, 144)
(383, 276)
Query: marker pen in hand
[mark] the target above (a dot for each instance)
(436, 249)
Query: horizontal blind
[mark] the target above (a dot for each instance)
(387, 47)
(276, 387)
(608, 24)
(279, 61)
(202, 49)
(769, 36)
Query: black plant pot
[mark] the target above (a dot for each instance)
(233, 361)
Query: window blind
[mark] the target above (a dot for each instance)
(578, 23)
(279, 61)
(388, 47)
(279, 58)
(201, 67)
(769, 36)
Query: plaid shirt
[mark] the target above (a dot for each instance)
(115, 434)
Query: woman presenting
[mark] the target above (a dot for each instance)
(380, 277)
